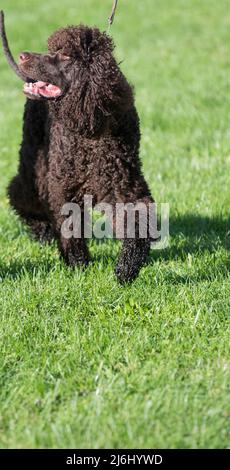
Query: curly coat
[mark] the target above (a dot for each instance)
(85, 141)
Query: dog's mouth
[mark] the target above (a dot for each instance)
(41, 90)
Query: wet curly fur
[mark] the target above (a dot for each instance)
(85, 142)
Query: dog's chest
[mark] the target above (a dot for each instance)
(72, 156)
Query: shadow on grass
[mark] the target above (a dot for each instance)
(195, 234)
(17, 269)
(189, 234)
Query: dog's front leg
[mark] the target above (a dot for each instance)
(72, 245)
(137, 240)
(133, 256)
(74, 251)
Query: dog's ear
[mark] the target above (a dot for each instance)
(99, 91)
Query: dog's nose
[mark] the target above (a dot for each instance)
(24, 57)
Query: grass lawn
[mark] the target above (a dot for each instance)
(85, 362)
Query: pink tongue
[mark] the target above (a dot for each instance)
(44, 89)
(40, 84)
(50, 91)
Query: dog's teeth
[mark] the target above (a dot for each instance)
(50, 86)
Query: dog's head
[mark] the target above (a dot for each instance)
(79, 76)
(72, 51)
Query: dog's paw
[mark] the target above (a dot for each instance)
(47, 235)
(133, 257)
(74, 260)
(125, 274)
(41, 231)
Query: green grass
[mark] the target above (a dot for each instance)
(83, 361)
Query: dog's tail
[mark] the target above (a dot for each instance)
(7, 51)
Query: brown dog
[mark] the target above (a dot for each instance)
(81, 136)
